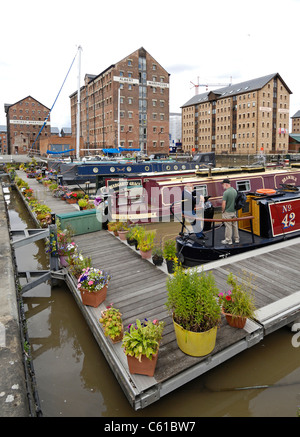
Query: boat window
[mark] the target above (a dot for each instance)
(243, 185)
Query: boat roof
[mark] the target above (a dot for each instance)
(218, 177)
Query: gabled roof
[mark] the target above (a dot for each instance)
(297, 115)
(8, 105)
(239, 88)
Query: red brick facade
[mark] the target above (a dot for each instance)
(144, 106)
(24, 121)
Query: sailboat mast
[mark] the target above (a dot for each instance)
(78, 105)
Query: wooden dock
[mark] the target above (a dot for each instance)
(138, 289)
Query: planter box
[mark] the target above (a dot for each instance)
(82, 222)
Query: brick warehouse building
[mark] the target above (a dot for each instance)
(245, 118)
(143, 112)
(24, 120)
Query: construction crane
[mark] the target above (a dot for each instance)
(209, 84)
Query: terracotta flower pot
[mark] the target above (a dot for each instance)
(235, 321)
(122, 235)
(147, 254)
(93, 298)
(143, 367)
(71, 201)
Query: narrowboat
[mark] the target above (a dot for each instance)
(268, 217)
(151, 197)
(82, 171)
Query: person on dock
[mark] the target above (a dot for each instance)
(189, 201)
(229, 212)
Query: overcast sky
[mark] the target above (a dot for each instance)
(213, 40)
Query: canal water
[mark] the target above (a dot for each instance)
(74, 379)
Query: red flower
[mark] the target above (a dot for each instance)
(228, 298)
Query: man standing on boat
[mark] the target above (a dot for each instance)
(229, 212)
(189, 209)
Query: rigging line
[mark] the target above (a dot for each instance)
(54, 101)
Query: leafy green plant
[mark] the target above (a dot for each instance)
(169, 250)
(83, 203)
(193, 299)
(239, 301)
(111, 320)
(143, 339)
(146, 241)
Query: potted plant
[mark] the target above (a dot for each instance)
(141, 345)
(71, 197)
(133, 235)
(157, 255)
(170, 254)
(83, 203)
(92, 284)
(65, 246)
(77, 263)
(111, 320)
(238, 303)
(146, 243)
(123, 228)
(193, 304)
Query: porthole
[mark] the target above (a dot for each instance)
(168, 167)
(128, 169)
(183, 167)
(147, 168)
(175, 167)
(112, 169)
(95, 169)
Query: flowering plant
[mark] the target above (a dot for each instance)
(78, 262)
(239, 301)
(142, 338)
(67, 249)
(51, 246)
(111, 320)
(93, 279)
(71, 195)
(97, 201)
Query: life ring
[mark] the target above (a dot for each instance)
(267, 191)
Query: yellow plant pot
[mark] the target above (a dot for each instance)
(196, 344)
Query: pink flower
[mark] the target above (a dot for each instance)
(90, 282)
(221, 294)
(78, 285)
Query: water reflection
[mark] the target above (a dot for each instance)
(74, 378)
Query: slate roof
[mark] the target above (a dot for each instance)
(239, 88)
(297, 115)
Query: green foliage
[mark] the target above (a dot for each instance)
(83, 203)
(143, 339)
(192, 299)
(169, 250)
(136, 233)
(146, 241)
(239, 301)
(111, 320)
